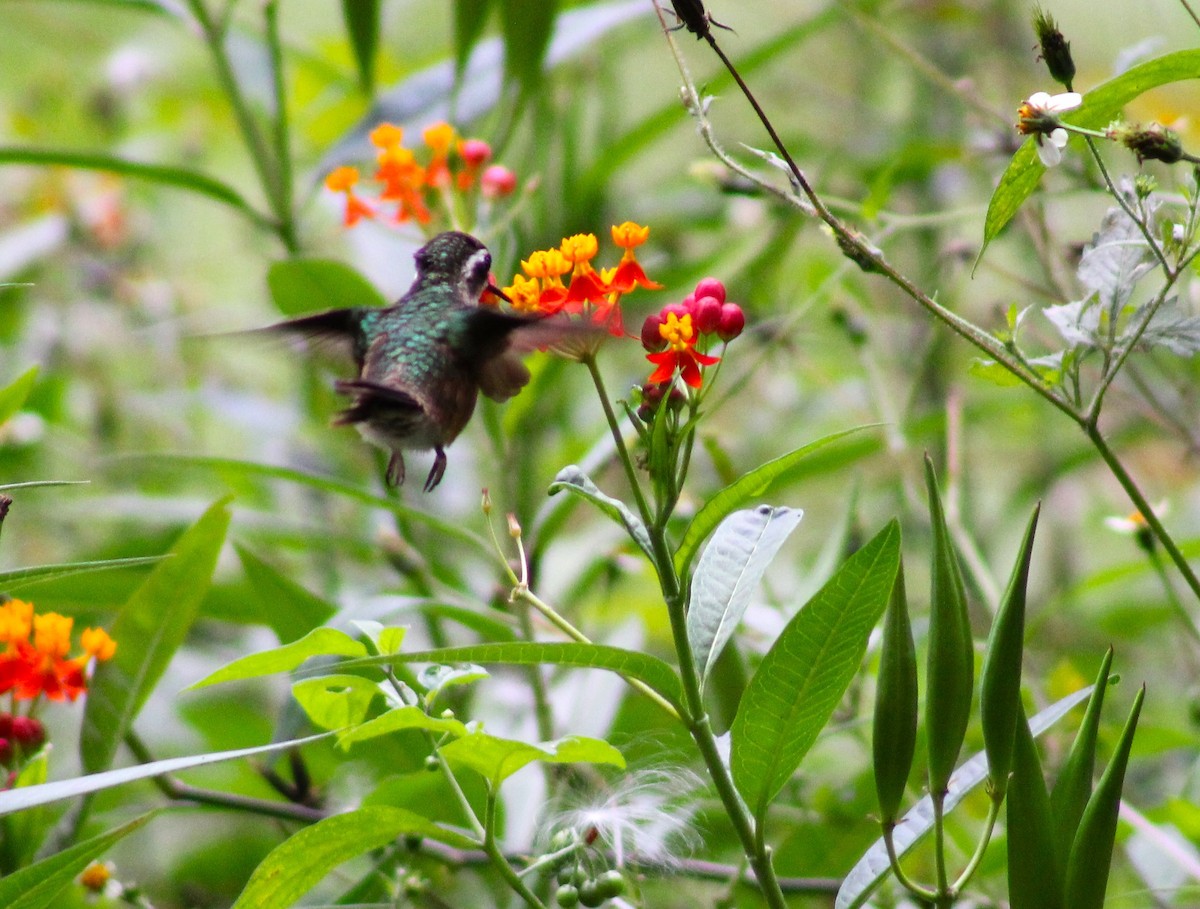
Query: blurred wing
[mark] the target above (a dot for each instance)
(337, 332)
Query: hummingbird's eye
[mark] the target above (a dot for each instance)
(479, 267)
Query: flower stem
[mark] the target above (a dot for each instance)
(497, 856)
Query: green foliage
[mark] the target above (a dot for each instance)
(302, 286)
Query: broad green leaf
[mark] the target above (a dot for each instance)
(318, 642)
(288, 608)
(806, 672)
(1091, 852)
(1035, 857)
(335, 701)
(302, 286)
(1000, 681)
(627, 663)
(950, 676)
(14, 394)
(164, 174)
(1100, 106)
(874, 866)
(497, 759)
(39, 886)
(16, 578)
(728, 573)
(398, 719)
(470, 17)
(148, 630)
(22, 799)
(21, 834)
(362, 25)
(527, 26)
(300, 862)
(575, 480)
(744, 490)
(894, 729)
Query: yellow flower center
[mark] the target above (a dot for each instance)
(629, 235)
(386, 135)
(439, 137)
(677, 332)
(580, 248)
(546, 263)
(52, 634)
(524, 293)
(341, 179)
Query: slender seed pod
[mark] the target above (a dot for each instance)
(895, 731)
(1073, 787)
(1034, 861)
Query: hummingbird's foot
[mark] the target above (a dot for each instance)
(395, 469)
(436, 471)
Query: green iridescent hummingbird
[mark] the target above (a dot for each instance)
(423, 360)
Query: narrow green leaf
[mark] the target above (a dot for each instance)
(1000, 684)
(148, 630)
(743, 490)
(1035, 856)
(335, 701)
(497, 759)
(1100, 106)
(575, 480)
(14, 394)
(1091, 852)
(1073, 787)
(318, 642)
(627, 663)
(362, 25)
(17, 578)
(164, 174)
(398, 719)
(300, 862)
(34, 484)
(287, 607)
(470, 17)
(894, 738)
(951, 657)
(727, 575)
(527, 26)
(302, 286)
(874, 866)
(39, 885)
(806, 672)
(22, 799)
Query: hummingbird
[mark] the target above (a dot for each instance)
(423, 361)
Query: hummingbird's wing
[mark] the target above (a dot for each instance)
(338, 332)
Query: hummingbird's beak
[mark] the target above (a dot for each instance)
(496, 291)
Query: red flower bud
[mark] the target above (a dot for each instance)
(689, 304)
(28, 733)
(708, 315)
(652, 340)
(679, 309)
(6, 752)
(474, 152)
(733, 320)
(6, 725)
(497, 181)
(711, 287)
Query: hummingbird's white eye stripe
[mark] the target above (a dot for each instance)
(478, 266)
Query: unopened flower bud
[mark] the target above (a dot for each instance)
(1154, 142)
(28, 732)
(497, 181)
(1055, 49)
(711, 287)
(689, 303)
(474, 152)
(733, 320)
(6, 751)
(652, 338)
(707, 315)
(514, 526)
(486, 503)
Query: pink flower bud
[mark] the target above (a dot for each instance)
(497, 181)
(711, 287)
(652, 339)
(708, 315)
(733, 320)
(689, 304)
(28, 732)
(679, 309)
(474, 152)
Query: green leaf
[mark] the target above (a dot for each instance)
(33, 484)
(362, 25)
(1091, 852)
(744, 490)
(874, 866)
(22, 799)
(318, 642)
(1100, 106)
(627, 663)
(288, 608)
(302, 286)
(951, 657)
(335, 701)
(1034, 854)
(497, 759)
(398, 719)
(17, 578)
(21, 834)
(727, 575)
(163, 174)
(15, 393)
(470, 17)
(1073, 787)
(806, 672)
(894, 736)
(148, 630)
(575, 480)
(1000, 683)
(39, 885)
(527, 26)
(437, 678)
(300, 862)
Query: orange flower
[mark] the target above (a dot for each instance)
(387, 135)
(439, 137)
(342, 180)
(681, 354)
(525, 294)
(32, 668)
(629, 273)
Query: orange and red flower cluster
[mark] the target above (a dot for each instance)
(35, 661)
(671, 336)
(542, 288)
(420, 189)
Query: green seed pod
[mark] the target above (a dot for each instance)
(1073, 787)
(950, 679)
(1000, 686)
(567, 896)
(610, 884)
(895, 731)
(1034, 857)
(1091, 853)
(590, 895)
